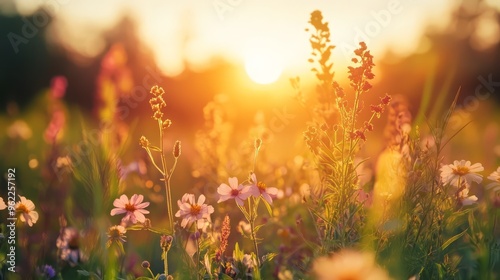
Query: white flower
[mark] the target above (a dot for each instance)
(461, 171)
(134, 209)
(495, 177)
(469, 200)
(191, 212)
(348, 264)
(26, 208)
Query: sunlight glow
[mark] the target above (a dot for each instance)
(262, 66)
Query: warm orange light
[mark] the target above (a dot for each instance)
(262, 66)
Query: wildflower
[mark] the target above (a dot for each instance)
(2, 204)
(461, 171)
(26, 208)
(348, 264)
(377, 110)
(469, 200)
(116, 234)
(134, 209)
(46, 271)
(68, 244)
(166, 242)
(58, 86)
(166, 124)
(249, 262)
(225, 231)
(193, 212)
(259, 188)
(157, 91)
(19, 129)
(386, 99)
(244, 228)
(233, 190)
(495, 177)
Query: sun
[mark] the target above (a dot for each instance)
(262, 66)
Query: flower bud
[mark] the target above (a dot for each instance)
(144, 142)
(145, 264)
(177, 149)
(258, 143)
(166, 124)
(157, 91)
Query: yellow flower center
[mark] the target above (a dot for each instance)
(261, 186)
(22, 208)
(461, 170)
(130, 207)
(195, 209)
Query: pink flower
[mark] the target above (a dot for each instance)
(133, 209)
(58, 86)
(238, 192)
(191, 212)
(259, 188)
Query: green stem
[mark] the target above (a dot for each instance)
(166, 179)
(254, 239)
(165, 262)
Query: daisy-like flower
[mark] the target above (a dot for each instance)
(259, 188)
(495, 177)
(2, 204)
(133, 209)
(116, 234)
(233, 190)
(26, 209)
(461, 171)
(191, 211)
(68, 245)
(348, 264)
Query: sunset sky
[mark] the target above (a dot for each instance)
(194, 31)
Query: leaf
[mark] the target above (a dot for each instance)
(238, 254)
(143, 278)
(83, 273)
(269, 210)
(225, 277)
(269, 257)
(453, 239)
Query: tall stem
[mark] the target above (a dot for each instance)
(166, 179)
(254, 239)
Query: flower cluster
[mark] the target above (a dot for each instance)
(240, 192)
(157, 103)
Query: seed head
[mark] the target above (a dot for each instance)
(177, 149)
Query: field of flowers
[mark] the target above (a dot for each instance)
(101, 198)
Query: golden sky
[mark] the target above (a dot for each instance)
(197, 30)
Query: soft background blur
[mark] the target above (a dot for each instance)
(198, 49)
(212, 51)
